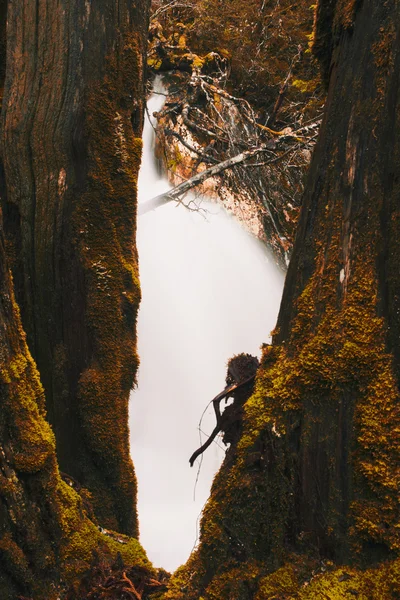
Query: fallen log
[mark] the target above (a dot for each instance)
(184, 187)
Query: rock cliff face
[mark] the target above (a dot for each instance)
(314, 479)
(71, 122)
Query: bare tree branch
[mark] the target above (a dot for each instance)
(184, 187)
(226, 393)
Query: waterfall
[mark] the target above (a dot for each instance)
(209, 291)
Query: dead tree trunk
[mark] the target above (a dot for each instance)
(71, 147)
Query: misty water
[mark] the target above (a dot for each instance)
(209, 291)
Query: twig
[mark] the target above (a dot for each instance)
(216, 403)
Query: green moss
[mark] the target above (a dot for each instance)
(32, 564)
(175, 159)
(300, 579)
(306, 86)
(33, 445)
(14, 561)
(47, 540)
(154, 63)
(329, 387)
(105, 228)
(282, 583)
(80, 537)
(198, 62)
(344, 351)
(237, 583)
(381, 583)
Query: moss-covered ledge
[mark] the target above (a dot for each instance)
(46, 538)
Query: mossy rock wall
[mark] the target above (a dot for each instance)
(315, 475)
(46, 539)
(72, 121)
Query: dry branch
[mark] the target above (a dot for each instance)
(184, 187)
(226, 393)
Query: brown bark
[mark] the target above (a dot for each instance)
(72, 120)
(3, 22)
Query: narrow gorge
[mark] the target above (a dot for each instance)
(124, 330)
(208, 291)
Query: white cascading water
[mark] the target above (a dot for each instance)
(209, 291)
